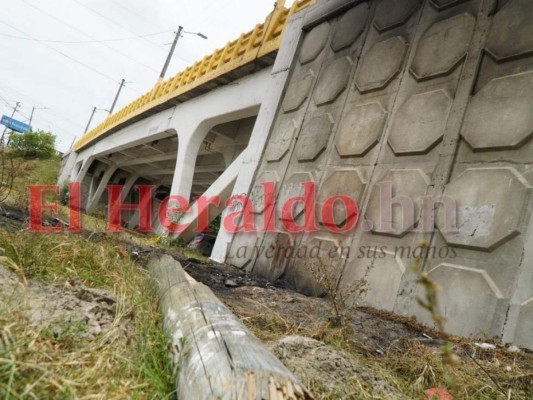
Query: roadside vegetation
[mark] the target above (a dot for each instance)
(40, 363)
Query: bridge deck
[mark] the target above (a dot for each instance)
(251, 51)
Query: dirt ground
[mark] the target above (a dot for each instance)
(60, 308)
(383, 357)
(382, 353)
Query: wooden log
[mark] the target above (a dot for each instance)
(214, 354)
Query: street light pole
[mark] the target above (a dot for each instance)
(170, 54)
(33, 110)
(116, 97)
(173, 47)
(91, 118)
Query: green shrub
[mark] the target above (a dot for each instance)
(38, 144)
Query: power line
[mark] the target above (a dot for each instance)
(115, 23)
(5, 101)
(39, 103)
(85, 34)
(102, 74)
(140, 16)
(152, 43)
(54, 124)
(84, 41)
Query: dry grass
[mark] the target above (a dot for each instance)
(37, 363)
(41, 363)
(409, 365)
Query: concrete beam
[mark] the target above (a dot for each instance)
(222, 187)
(93, 202)
(128, 186)
(83, 170)
(148, 159)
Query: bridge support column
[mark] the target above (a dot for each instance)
(222, 188)
(185, 166)
(80, 175)
(128, 185)
(69, 168)
(93, 201)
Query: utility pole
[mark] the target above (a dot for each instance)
(116, 97)
(173, 47)
(15, 109)
(170, 54)
(91, 118)
(33, 110)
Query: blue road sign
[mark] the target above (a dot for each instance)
(15, 125)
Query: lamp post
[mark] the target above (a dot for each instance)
(179, 34)
(122, 83)
(33, 110)
(91, 118)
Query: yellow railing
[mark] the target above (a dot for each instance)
(262, 40)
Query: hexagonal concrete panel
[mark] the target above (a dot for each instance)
(350, 27)
(314, 43)
(243, 249)
(395, 202)
(297, 92)
(443, 46)
(419, 123)
(315, 258)
(332, 81)
(275, 258)
(292, 188)
(384, 278)
(490, 204)
(525, 325)
(341, 182)
(280, 144)
(442, 4)
(381, 64)
(461, 286)
(499, 116)
(360, 129)
(392, 13)
(511, 34)
(257, 193)
(314, 137)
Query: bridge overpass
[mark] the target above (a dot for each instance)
(429, 98)
(191, 133)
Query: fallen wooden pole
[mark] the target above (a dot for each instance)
(216, 357)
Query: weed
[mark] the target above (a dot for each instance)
(343, 300)
(59, 362)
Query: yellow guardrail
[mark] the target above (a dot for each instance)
(262, 40)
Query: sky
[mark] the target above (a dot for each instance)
(65, 57)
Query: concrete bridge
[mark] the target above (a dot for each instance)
(433, 97)
(192, 132)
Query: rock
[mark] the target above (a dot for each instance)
(231, 283)
(93, 327)
(485, 346)
(514, 349)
